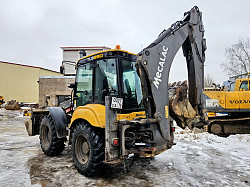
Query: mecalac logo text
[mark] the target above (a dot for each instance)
(157, 78)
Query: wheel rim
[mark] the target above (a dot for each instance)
(82, 149)
(46, 137)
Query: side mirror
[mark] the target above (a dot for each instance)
(72, 85)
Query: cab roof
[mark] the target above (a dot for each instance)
(106, 54)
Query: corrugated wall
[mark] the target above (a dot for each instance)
(19, 82)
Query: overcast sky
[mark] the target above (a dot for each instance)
(32, 31)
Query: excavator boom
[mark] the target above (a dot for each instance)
(154, 64)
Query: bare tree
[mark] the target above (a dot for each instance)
(208, 80)
(237, 58)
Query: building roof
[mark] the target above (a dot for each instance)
(27, 66)
(79, 48)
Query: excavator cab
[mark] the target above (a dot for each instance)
(109, 73)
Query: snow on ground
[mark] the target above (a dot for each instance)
(207, 159)
(198, 159)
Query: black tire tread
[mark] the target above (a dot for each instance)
(57, 144)
(96, 141)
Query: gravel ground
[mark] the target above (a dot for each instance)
(198, 159)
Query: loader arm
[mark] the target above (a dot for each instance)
(154, 63)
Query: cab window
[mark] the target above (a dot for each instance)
(132, 91)
(244, 85)
(84, 85)
(105, 79)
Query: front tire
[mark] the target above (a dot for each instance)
(88, 149)
(51, 145)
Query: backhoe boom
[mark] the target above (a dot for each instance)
(154, 64)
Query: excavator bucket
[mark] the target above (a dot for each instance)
(12, 105)
(179, 106)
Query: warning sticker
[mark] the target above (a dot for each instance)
(212, 103)
(166, 111)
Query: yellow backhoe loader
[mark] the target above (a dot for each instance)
(120, 103)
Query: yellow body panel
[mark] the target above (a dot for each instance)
(220, 95)
(227, 100)
(131, 116)
(95, 115)
(231, 100)
(236, 100)
(237, 85)
(244, 99)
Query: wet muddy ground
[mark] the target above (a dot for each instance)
(197, 160)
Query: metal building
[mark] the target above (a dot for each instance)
(20, 82)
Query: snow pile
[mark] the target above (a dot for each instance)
(203, 159)
(197, 135)
(235, 147)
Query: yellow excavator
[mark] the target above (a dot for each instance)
(229, 107)
(2, 100)
(120, 103)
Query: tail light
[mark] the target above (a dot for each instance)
(115, 142)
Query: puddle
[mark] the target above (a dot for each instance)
(192, 162)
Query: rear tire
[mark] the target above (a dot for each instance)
(88, 149)
(51, 145)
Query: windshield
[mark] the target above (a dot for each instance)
(132, 91)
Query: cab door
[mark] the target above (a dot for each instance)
(105, 79)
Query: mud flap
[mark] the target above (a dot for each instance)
(60, 119)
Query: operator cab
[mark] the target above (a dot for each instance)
(109, 73)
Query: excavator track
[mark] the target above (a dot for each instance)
(228, 125)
